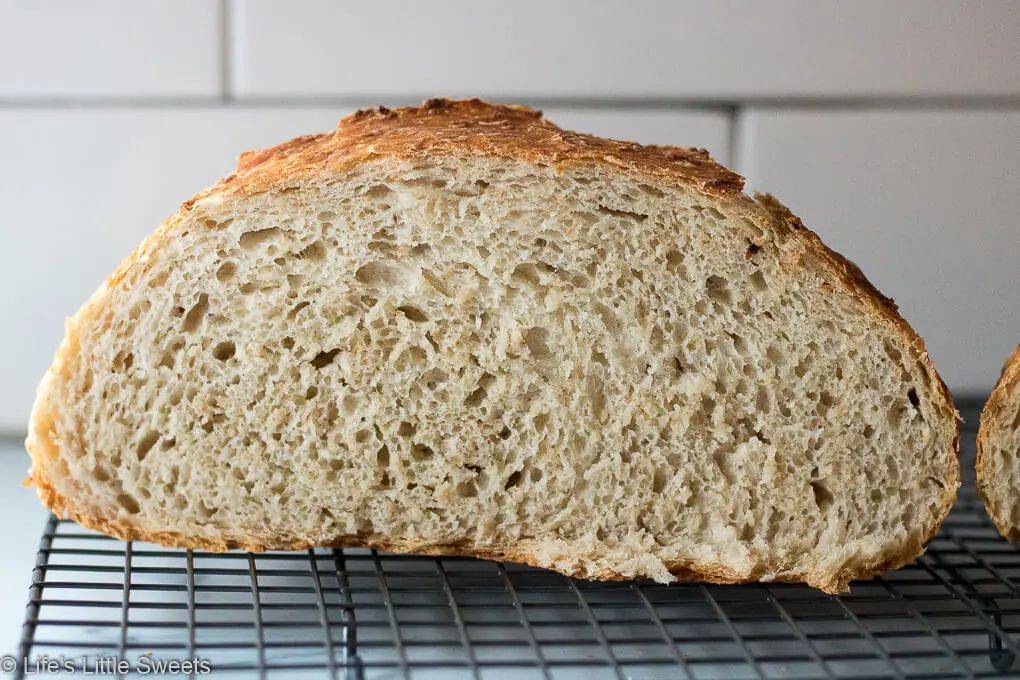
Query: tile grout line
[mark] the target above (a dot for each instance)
(226, 52)
(226, 98)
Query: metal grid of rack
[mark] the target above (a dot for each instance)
(361, 614)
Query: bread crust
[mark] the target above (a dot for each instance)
(992, 416)
(476, 129)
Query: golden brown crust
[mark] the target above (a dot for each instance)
(991, 418)
(472, 128)
(467, 128)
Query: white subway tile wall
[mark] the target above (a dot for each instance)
(65, 49)
(663, 48)
(892, 128)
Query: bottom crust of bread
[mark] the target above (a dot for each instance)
(704, 573)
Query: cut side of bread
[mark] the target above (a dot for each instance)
(998, 451)
(459, 329)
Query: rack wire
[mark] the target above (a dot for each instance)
(366, 615)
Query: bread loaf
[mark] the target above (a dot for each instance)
(998, 451)
(459, 329)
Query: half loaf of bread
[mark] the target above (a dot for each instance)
(459, 329)
(998, 451)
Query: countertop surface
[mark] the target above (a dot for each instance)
(23, 520)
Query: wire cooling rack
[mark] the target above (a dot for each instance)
(365, 615)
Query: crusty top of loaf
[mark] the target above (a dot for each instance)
(471, 127)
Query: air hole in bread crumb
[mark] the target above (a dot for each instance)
(823, 496)
(176, 394)
(505, 433)
(467, 490)
(156, 281)
(825, 402)
(128, 502)
(418, 356)
(362, 436)
(413, 313)
(197, 313)
(537, 340)
(312, 392)
(758, 282)
(912, 396)
(406, 429)
(421, 452)
(540, 421)
(123, 361)
(145, 444)
(254, 239)
(100, 474)
(421, 250)
(313, 252)
(659, 480)
(675, 262)
(476, 397)
(224, 351)
(718, 288)
(378, 274)
(624, 214)
(226, 272)
(527, 273)
(892, 352)
(513, 480)
(323, 359)
(287, 343)
(803, 366)
(907, 516)
(169, 356)
(752, 250)
(433, 377)
(897, 411)
(740, 345)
